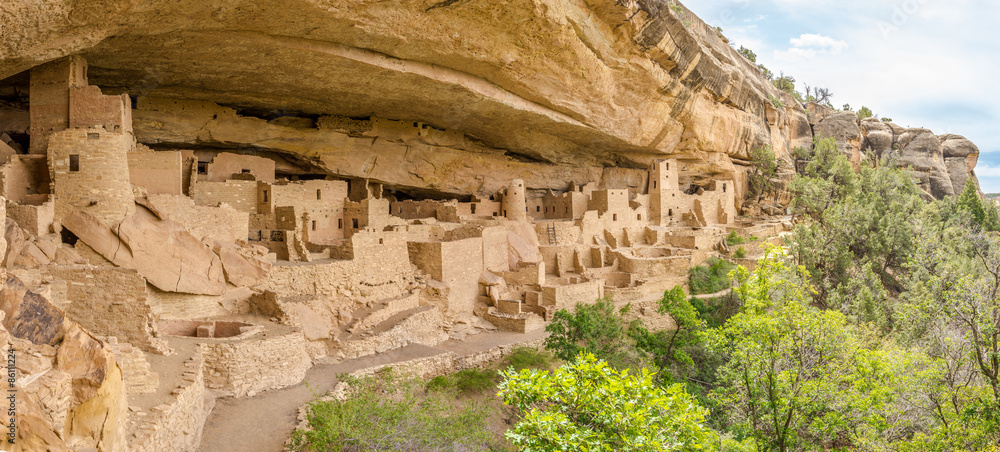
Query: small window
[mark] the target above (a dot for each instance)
(265, 196)
(638, 217)
(319, 194)
(614, 217)
(340, 223)
(567, 209)
(93, 136)
(494, 214)
(539, 209)
(654, 184)
(355, 223)
(723, 188)
(668, 165)
(244, 171)
(74, 163)
(202, 167)
(505, 213)
(473, 208)
(670, 212)
(381, 241)
(314, 225)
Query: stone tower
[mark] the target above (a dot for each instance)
(663, 190)
(87, 137)
(515, 207)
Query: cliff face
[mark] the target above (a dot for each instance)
(550, 91)
(544, 87)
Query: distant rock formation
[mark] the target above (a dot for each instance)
(941, 164)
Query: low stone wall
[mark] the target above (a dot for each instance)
(246, 367)
(176, 425)
(422, 327)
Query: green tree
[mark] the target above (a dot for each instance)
(983, 214)
(599, 329)
(748, 54)
(764, 170)
(799, 378)
(865, 112)
(587, 405)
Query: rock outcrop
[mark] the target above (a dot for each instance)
(940, 164)
(543, 87)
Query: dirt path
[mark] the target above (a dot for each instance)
(262, 423)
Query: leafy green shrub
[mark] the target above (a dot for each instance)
(465, 381)
(865, 112)
(598, 328)
(748, 54)
(776, 102)
(710, 278)
(587, 405)
(886, 119)
(385, 412)
(740, 253)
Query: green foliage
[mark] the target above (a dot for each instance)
(386, 412)
(740, 253)
(865, 112)
(597, 329)
(776, 102)
(762, 174)
(847, 107)
(710, 278)
(860, 234)
(798, 378)
(588, 405)
(887, 119)
(748, 54)
(983, 215)
(768, 75)
(785, 83)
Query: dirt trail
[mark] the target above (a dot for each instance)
(262, 423)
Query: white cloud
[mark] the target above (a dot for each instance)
(819, 43)
(807, 46)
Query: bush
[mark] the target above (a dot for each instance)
(740, 253)
(710, 278)
(385, 412)
(776, 102)
(865, 112)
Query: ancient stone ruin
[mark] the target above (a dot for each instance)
(172, 243)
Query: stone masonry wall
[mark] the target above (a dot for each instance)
(247, 367)
(99, 183)
(177, 424)
(158, 172)
(108, 301)
(239, 194)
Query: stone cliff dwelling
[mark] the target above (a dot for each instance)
(199, 209)
(244, 275)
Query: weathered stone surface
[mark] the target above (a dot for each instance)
(163, 252)
(29, 315)
(544, 86)
(920, 150)
(241, 268)
(878, 136)
(842, 126)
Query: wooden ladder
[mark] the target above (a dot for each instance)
(551, 229)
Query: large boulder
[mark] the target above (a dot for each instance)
(162, 251)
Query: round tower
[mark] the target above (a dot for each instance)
(515, 207)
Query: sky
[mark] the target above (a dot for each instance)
(923, 63)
